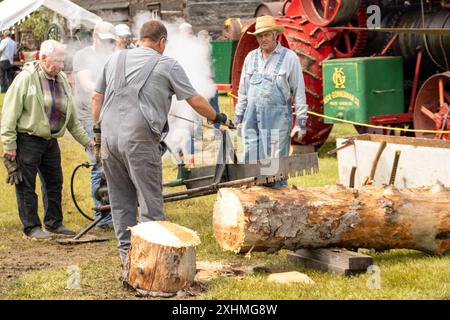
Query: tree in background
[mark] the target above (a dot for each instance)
(44, 24)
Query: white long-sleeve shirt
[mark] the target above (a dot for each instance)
(290, 79)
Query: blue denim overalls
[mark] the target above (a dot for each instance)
(267, 120)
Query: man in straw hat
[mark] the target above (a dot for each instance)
(271, 75)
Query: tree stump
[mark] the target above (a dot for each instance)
(162, 257)
(260, 219)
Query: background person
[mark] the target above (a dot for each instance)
(8, 49)
(38, 108)
(87, 65)
(134, 96)
(124, 37)
(271, 75)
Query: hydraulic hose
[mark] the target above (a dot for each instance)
(72, 179)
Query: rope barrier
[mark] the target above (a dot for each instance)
(365, 124)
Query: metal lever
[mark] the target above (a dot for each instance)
(395, 167)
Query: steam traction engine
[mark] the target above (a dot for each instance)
(350, 68)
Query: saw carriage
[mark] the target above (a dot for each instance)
(389, 73)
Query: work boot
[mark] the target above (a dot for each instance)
(61, 230)
(37, 234)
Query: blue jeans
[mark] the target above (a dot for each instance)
(96, 175)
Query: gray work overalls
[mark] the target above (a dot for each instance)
(130, 154)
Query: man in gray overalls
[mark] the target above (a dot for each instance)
(131, 102)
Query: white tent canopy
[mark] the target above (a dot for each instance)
(12, 11)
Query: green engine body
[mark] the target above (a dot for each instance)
(358, 88)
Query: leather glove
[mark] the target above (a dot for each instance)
(239, 130)
(98, 144)
(222, 118)
(299, 130)
(14, 172)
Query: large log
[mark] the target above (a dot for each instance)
(260, 219)
(162, 257)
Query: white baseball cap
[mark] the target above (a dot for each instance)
(105, 30)
(122, 30)
(186, 28)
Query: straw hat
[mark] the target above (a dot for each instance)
(266, 23)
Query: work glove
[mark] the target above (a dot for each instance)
(222, 118)
(299, 129)
(97, 143)
(14, 172)
(239, 125)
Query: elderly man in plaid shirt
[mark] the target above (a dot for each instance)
(38, 108)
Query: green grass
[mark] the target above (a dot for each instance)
(405, 274)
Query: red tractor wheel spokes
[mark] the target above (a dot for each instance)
(347, 43)
(447, 97)
(325, 8)
(351, 42)
(432, 107)
(428, 113)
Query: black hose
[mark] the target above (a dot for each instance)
(72, 179)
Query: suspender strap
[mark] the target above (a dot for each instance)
(119, 77)
(255, 60)
(140, 79)
(281, 60)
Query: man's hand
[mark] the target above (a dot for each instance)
(222, 118)
(299, 130)
(14, 174)
(239, 125)
(90, 145)
(10, 155)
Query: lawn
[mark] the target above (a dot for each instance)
(34, 270)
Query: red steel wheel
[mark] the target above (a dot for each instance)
(431, 110)
(351, 43)
(328, 13)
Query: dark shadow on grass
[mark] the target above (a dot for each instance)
(327, 146)
(390, 257)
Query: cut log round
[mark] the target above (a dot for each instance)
(162, 257)
(260, 219)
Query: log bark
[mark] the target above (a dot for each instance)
(260, 219)
(162, 257)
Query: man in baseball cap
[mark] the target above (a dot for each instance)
(105, 31)
(124, 37)
(87, 65)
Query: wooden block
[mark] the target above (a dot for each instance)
(340, 261)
